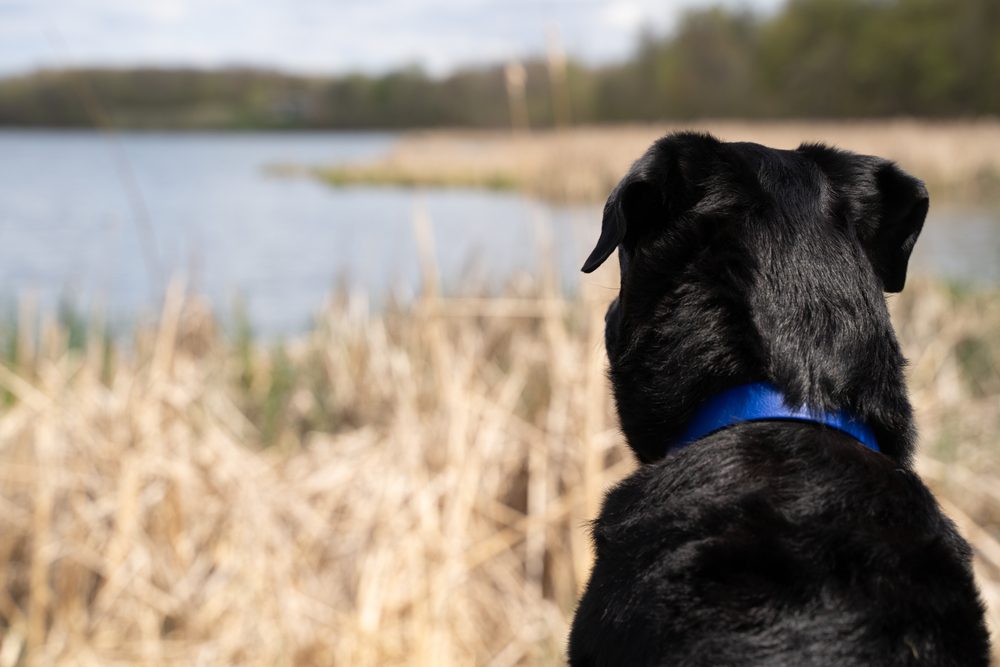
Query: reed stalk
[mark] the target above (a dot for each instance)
(410, 486)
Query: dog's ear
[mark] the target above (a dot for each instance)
(889, 239)
(886, 205)
(658, 187)
(633, 203)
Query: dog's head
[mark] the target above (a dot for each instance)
(742, 263)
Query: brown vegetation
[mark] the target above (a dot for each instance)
(410, 487)
(959, 160)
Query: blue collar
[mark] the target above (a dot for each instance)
(762, 401)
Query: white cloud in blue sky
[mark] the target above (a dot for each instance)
(323, 36)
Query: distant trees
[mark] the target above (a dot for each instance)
(871, 58)
(814, 58)
(818, 58)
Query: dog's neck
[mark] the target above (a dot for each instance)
(828, 348)
(761, 401)
(827, 340)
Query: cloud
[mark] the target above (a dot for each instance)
(626, 15)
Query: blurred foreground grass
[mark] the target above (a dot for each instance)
(404, 487)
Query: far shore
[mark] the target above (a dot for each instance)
(959, 160)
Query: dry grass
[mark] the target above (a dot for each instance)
(404, 488)
(957, 159)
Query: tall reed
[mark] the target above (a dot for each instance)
(411, 486)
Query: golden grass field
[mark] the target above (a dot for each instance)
(418, 496)
(402, 486)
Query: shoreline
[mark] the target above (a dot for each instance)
(959, 160)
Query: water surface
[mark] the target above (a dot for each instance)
(102, 219)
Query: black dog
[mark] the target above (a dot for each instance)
(774, 541)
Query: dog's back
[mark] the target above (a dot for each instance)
(777, 545)
(768, 542)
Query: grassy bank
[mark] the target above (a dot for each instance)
(409, 487)
(959, 160)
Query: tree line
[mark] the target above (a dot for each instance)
(811, 59)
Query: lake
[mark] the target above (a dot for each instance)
(103, 220)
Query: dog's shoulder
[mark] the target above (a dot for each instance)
(778, 542)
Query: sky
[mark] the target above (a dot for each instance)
(326, 36)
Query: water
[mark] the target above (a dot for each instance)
(79, 209)
(100, 220)
(960, 244)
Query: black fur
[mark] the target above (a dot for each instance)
(770, 543)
